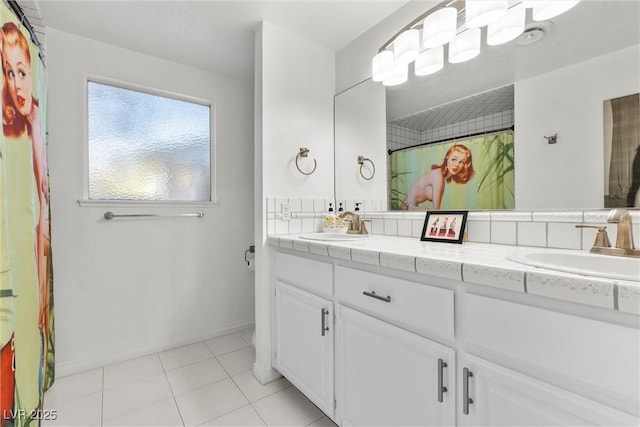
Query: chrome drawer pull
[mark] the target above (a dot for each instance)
(441, 388)
(466, 400)
(372, 294)
(323, 313)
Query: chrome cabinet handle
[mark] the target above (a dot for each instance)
(441, 388)
(324, 326)
(373, 294)
(466, 374)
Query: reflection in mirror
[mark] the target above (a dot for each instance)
(360, 134)
(586, 56)
(455, 156)
(622, 151)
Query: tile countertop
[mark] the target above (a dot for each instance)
(479, 263)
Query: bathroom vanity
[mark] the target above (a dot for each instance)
(392, 331)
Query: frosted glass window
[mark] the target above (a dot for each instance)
(147, 147)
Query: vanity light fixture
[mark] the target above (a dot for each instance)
(406, 47)
(505, 21)
(508, 28)
(545, 9)
(440, 27)
(429, 61)
(465, 46)
(479, 13)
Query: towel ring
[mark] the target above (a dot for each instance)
(361, 161)
(304, 152)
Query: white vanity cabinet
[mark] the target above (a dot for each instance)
(492, 395)
(303, 333)
(412, 349)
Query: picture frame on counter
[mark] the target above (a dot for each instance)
(444, 226)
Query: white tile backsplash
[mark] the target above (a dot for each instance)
(377, 226)
(510, 216)
(391, 227)
(479, 231)
(532, 234)
(405, 227)
(577, 217)
(523, 228)
(563, 235)
(503, 232)
(318, 205)
(295, 226)
(307, 205)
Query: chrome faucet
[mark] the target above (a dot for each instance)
(356, 225)
(624, 238)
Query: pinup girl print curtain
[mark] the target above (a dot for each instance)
(26, 294)
(470, 173)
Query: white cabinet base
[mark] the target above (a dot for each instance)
(303, 348)
(386, 376)
(502, 397)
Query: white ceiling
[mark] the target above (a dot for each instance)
(210, 34)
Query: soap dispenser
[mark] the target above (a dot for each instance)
(340, 222)
(330, 221)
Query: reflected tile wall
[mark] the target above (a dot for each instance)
(520, 228)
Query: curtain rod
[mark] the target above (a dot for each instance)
(13, 4)
(471, 135)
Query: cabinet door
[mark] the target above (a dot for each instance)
(386, 376)
(502, 397)
(303, 343)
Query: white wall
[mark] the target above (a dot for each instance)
(124, 288)
(569, 102)
(295, 85)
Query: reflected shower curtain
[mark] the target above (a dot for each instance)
(490, 187)
(26, 294)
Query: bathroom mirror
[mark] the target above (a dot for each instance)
(587, 55)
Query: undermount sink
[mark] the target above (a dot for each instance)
(333, 237)
(611, 267)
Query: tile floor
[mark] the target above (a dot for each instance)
(208, 383)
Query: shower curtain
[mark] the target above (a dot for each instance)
(26, 293)
(491, 185)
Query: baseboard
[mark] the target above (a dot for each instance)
(70, 368)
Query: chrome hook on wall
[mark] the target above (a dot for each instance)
(552, 139)
(304, 152)
(361, 161)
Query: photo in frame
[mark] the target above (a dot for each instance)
(444, 226)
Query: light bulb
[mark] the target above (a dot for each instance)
(429, 61)
(399, 75)
(381, 65)
(508, 28)
(479, 13)
(465, 46)
(439, 27)
(545, 9)
(406, 47)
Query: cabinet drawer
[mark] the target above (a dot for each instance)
(304, 273)
(421, 308)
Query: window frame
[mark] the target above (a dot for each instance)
(85, 201)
